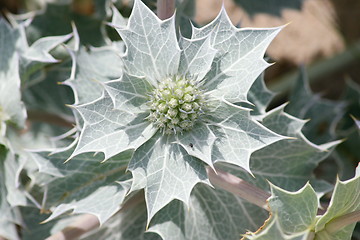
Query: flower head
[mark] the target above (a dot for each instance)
(176, 104)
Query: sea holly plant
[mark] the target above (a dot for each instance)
(162, 136)
(175, 104)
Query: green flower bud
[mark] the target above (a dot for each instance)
(183, 115)
(162, 107)
(188, 98)
(176, 105)
(173, 102)
(187, 107)
(172, 112)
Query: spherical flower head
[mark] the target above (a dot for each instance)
(176, 104)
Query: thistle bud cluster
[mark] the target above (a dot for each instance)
(175, 105)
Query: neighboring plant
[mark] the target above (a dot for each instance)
(166, 137)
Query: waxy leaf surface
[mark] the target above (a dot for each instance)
(84, 185)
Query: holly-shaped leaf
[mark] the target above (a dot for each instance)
(90, 68)
(288, 163)
(273, 231)
(306, 105)
(296, 211)
(153, 166)
(11, 107)
(20, 61)
(10, 215)
(83, 185)
(214, 214)
(345, 200)
(239, 58)
(127, 224)
(294, 214)
(260, 96)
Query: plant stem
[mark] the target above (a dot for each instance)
(165, 8)
(311, 236)
(34, 115)
(319, 69)
(340, 222)
(239, 187)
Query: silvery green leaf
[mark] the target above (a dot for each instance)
(196, 57)
(90, 70)
(117, 19)
(9, 214)
(128, 224)
(11, 106)
(34, 58)
(293, 215)
(239, 58)
(238, 135)
(166, 173)
(306, 105)
(199, 142)
(24, 59)
(207, 217)
(212, 214)
(345, 199)
(296, 211)
(260, 96)
(152, 47)
(110, 130)
(287, 163)
(103, 203)
(50, 96)
(84, 184)
(273, 231)
(17, 194)
(39, 50)
(129, 92)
